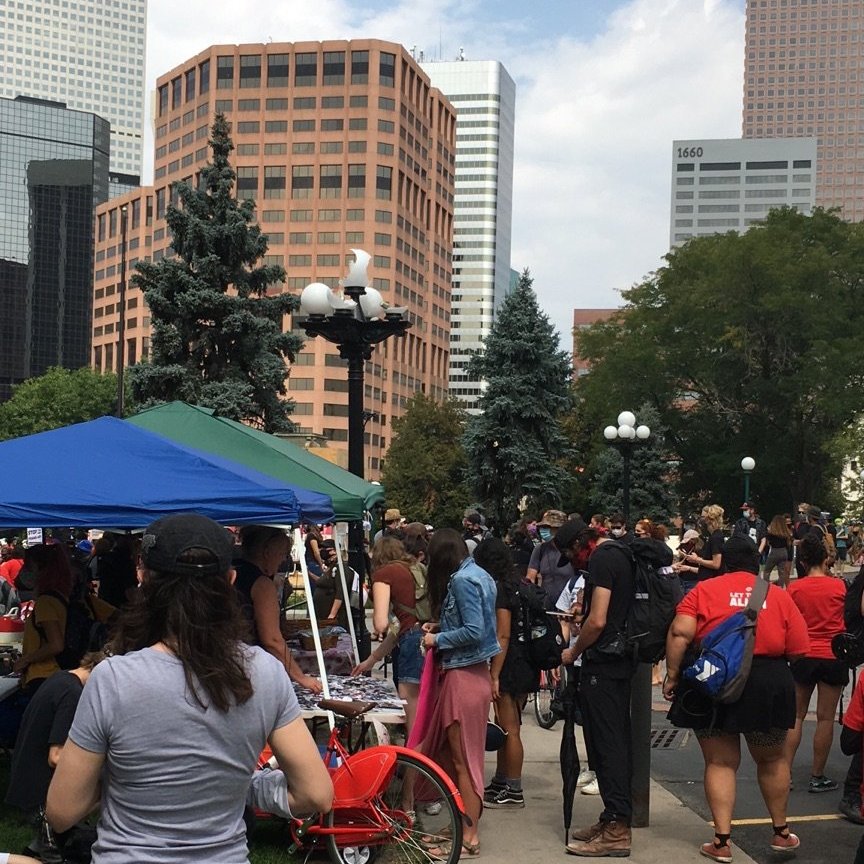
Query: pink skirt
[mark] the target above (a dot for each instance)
(464, 697)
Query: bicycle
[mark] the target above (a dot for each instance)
(548, 692)
(373, 816)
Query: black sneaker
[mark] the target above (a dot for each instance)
(493, 787)
(505, 799)
(821, 784)
(851, 809)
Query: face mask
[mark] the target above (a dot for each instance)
(545, 534)
(617, 532)
(748, 514)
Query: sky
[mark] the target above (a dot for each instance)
(603, 88)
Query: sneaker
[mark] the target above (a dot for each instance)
(585, 777)
(723, 853)
(493, 787)
(505, 799)
(789, 843)
(851, 809)
(821, 784)
(433, 808)
(591, 788)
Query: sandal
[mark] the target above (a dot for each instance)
(430, 841)
(442, 852)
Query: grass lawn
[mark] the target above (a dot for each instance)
(269, 842)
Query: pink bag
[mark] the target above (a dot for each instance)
(427, 699)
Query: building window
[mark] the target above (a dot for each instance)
(276, 104)
(331, 146)
(301, 215)
(163, 99)
(277, 149)
(334, 67)
(276, 126)
(332, 101)
(384, 183)
(250, 71)
(277, 70)
(248, 104)
(355, 215)
(357, 123)
(356, 181)
(356, 146)
(358, 101)
(359, 67)
(332, 125)
(177, 92)
(248, 127)
(304, 125)
(274, 181)
(385, 103)
(385, 149)
(190, 84)
(224, 73)
(247, 182)
(303, 103)
(160, 203)
(386, 126)
(303, 147)
(330, 182)
(387, 69)
(302, 181)
(204, 77)
(305, 69)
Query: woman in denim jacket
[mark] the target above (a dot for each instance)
(464, 639)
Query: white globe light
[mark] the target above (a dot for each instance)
(610, 433)
(861, 475)
(316, 299)
(372, 303)
(625, 431)
(642, 432)
(748, 463)
(626, 418)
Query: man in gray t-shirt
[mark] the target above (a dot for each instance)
(176, 774)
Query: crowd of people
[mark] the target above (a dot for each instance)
(195, 645)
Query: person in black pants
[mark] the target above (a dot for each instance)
(605, 683)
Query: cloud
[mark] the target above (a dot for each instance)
(595, 117)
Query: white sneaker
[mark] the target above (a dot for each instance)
(585, 777)
(591, 788)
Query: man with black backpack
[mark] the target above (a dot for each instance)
(605, 681)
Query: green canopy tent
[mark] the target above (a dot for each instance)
(201, 428)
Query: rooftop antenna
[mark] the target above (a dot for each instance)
(414, 52)
(461, 53)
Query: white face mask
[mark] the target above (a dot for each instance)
(617, 532)
(748, 514)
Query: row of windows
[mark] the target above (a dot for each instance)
(251, 70)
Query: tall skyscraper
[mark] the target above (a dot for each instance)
(804, 77)
(88, 54)
(341, 144)
(484, 96)
(729, 184)
(55, 170)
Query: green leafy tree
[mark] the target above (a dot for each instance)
(217, 333)
(746, 345)
(424, 471)
(57, 398)
(652, 492)
(515, 446)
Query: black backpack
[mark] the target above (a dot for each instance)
(656, 595)
(541, 632)
(849, 646)
(84, 631)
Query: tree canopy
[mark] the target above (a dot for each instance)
(424, 470)
(217, 332)
(746, 345)
(59, 397)
(515, 446)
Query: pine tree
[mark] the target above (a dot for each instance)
(217, 334)
(514, 447)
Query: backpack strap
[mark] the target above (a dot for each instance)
(757, 597)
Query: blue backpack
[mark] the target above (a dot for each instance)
(723, 666)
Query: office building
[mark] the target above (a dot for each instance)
(804, 77)
(55, 170)
(729, 184)
(582, 320)
(88, 54)
(484, 96)
(341, 144)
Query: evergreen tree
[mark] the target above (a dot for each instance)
(652, 493)
(424, 471)
(218, 335)
(515, 445)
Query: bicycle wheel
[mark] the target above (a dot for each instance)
(543, 703)
(407, 833)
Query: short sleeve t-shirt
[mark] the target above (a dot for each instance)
(780, 628)
(545, 559)
(176, 774)
(45, 724)
(566, 599)
(820, 599)
(713, 546)
(401, 583)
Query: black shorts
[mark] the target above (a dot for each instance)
(809, 671)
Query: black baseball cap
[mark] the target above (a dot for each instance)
(566, 536)
(166, 539)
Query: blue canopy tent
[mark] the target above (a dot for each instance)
(107, 473)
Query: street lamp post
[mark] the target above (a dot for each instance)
(748, 463)
(355, 322)
(625, 436)
(121, 305)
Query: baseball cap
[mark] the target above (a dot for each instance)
(166, 539)
(689, 535)
(746, 506)
(814, 513)
(567, 534)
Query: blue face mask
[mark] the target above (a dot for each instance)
(545, 534)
